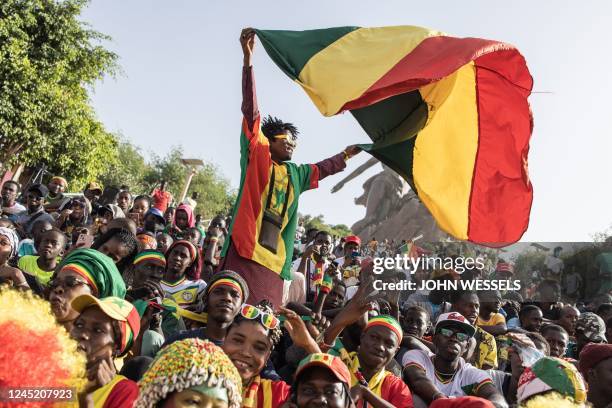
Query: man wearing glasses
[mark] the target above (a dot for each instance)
(445, 374)
(35, 197)
(265, 215)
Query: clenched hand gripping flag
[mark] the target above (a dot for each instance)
(450, 115)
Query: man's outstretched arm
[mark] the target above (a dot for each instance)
(249, 97)
(336, 163)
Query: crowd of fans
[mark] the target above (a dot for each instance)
(132, 300)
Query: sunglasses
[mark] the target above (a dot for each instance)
(450, 333)
(289, 138)
(251, 312)
(68, 283)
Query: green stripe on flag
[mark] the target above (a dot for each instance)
(291, 50)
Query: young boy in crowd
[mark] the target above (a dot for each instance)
(50, 250)
(489, 318)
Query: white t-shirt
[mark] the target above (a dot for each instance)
(466, 381)
(14, 209)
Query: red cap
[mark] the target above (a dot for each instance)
(353, 238)
(332, 363)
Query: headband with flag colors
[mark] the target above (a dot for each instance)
(450, 115)
(388, 322)
(192, 249)
(227, 282)
(79, 269)
(153, 256)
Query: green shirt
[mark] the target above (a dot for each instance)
(29, 265)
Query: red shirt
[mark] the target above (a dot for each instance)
(161, 199)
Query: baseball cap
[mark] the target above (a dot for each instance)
(93, 186)
(551, 374)
(457, 320)
(157, 213)
(117, 309)
(332, 363)
(592, 326)
(352, 238)
(40, 188)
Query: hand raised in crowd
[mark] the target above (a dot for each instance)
(13, 275)
(298, 332)
(247, 41)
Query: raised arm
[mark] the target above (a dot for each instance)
(249, 97)
(336, 163)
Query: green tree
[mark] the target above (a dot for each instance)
(49, 60)
(130, 170)
(319, 223)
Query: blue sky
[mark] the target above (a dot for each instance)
(180, 85)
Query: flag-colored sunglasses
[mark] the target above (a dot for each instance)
(251, 312)
(450, 333)
(289, 138)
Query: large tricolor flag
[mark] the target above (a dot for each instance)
(448, 114)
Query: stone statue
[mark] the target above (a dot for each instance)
(393, 210)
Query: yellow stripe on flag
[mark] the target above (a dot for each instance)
(445, 150)
(344, 70)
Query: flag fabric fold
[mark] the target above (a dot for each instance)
(450, 115)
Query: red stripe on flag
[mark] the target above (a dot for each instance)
(501, 195)
(433, 59)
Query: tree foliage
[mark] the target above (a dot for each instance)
(141, 176)
(319, 223)
(49, 60)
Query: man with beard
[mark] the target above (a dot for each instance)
(221, 300)
(445, 373)
(467, 303)
(531, 318)
(35, 197)
(10, 206)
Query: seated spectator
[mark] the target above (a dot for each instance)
(35, 211)
(105, 329)
(211, 381)
(445, 373)
(74, 213)
(250, 341)
(557, 338)
(181, 261)
(10, 206)
(531, 318)
(221, 301)
(379, 342)
(489, 318)
(568, 316)
(589, 329)
(322, 376)
(596, 368)
(124, 200)
(164, 242)
(50, 251)
(55, 197)
(9, 242)
(154, 221)
(467, 303)
(83, 271)
(415, 323)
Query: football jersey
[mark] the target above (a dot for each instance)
(185, 292)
